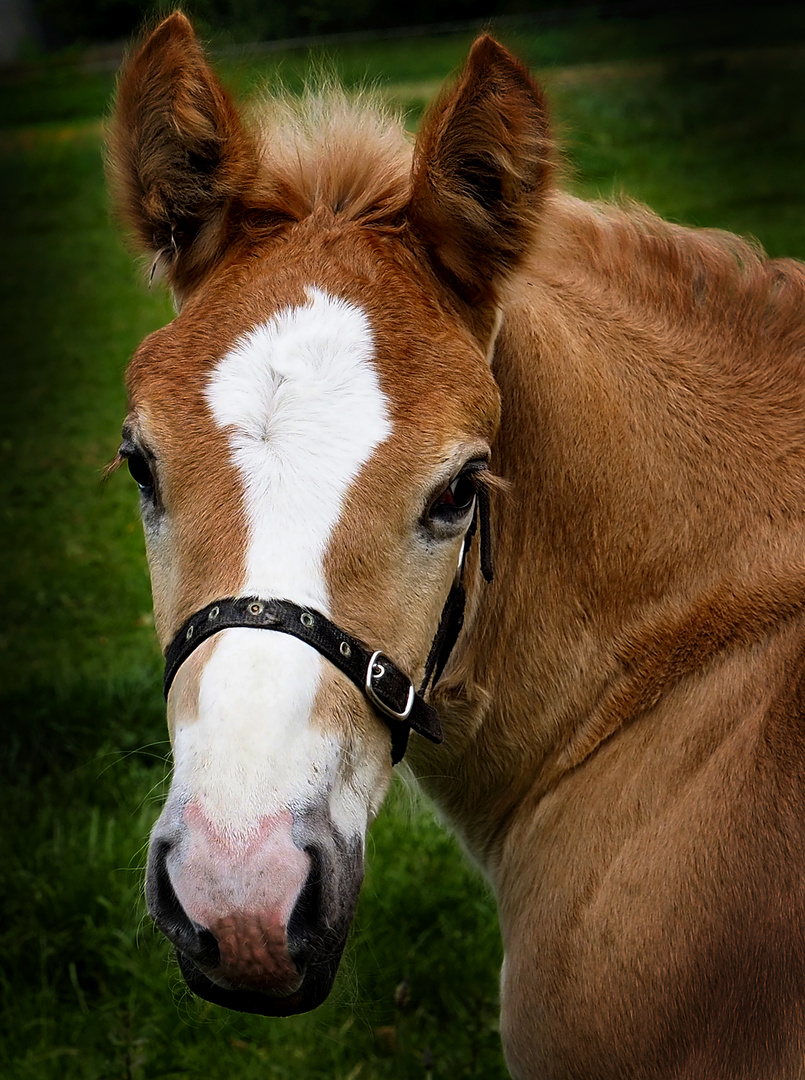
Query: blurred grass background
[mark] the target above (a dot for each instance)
(703, 119)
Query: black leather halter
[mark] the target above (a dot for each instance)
(390, 691)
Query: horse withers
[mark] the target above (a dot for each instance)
(367, 331)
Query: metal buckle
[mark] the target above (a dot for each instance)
(378, 702)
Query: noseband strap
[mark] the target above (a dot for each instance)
(390, 691)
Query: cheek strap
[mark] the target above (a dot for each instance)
(452, 619)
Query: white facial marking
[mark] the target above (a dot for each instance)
(304, 411)
(302, 406)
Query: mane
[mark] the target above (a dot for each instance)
(346, 154)
(690, 274)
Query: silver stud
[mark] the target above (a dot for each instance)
(213, 613)
(306, 619)
(256, 609)
(344, 649)
(189, 633)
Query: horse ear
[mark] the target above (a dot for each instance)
(481, 167)
(179, 159)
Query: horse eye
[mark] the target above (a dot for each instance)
(456, 500)
(140, 472)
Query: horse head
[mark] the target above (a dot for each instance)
(311, 431)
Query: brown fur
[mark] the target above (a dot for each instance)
(641, 851)
(624, 749)
(480, 173)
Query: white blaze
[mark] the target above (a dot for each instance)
(304, 410)
(302, 407)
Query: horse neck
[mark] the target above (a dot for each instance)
(647, 530)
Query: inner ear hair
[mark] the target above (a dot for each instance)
(179, 158)
(482, 166)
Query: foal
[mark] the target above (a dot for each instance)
(363, 332)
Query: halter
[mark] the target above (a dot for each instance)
(390, 691)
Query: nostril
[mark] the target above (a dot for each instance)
(194, 941)
(306, 915)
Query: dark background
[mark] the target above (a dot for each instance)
(64, 23)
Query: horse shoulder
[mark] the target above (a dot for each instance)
(651, 903)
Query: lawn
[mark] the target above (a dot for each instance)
(705, 126)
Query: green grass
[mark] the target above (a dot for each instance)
(706, 129)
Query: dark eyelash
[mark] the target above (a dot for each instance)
(479, 469)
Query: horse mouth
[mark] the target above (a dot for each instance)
(313, 990)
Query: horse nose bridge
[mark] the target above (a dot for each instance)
(250, 738)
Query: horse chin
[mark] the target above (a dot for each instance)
(313, 990)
